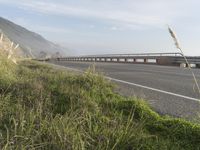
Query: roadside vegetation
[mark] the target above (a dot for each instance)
(46, 108)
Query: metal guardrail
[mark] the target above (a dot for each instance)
(129, 55)
(170, 59)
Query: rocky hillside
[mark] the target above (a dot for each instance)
(31, 44)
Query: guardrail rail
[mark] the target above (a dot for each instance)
(168, 59)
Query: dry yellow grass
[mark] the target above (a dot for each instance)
(8, 48)
(173, 35)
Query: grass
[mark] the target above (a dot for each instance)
(46, 108)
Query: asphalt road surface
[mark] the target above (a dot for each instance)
(169, 90)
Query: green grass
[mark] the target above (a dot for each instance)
(46, 108)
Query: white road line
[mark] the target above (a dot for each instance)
(154, 89)
(138, 85)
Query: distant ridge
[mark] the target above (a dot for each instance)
(31, 43)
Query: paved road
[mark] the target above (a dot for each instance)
(169, 90)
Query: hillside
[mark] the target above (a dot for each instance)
(29, 42)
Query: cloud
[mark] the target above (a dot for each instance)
(40, 28)
(114, 28)
(114, 16)
(127, 14)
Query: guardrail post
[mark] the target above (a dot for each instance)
(157, 61)
(197, 65)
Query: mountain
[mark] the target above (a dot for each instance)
(31, 43)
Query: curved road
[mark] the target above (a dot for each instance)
(169, 90)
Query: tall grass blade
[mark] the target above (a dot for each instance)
(1, 39)
(173, 35)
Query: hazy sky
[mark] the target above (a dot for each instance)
(110, 26)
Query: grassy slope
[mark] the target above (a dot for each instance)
(46, 108)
